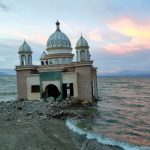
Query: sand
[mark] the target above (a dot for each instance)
(37, 135)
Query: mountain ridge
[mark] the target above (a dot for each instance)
(5, 72)
(127, 74)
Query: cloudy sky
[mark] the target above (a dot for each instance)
(118, 31)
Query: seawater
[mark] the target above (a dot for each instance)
(8, 88)
(124, 114)
(124, 111)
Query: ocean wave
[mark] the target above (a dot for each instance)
(71, 124)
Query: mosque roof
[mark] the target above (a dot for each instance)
(58, 40)
(43, 55)
(25, 47)
(82, 42)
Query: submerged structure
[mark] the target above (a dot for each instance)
(57, 76)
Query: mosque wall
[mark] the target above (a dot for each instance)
(71, 77)
(33, 87)
(94, 83)
(84, 81)
(22, 83)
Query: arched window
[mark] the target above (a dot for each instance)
(30, 60)
(46, 62)
(22, 60)
(56, 61)
(83, 55)
(42, 63)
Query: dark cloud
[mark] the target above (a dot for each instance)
(4, 7)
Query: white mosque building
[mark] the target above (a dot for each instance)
(58, 75)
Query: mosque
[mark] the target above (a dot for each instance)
(57, 75)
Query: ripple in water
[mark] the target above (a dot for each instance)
(8, 89)
(124, 112)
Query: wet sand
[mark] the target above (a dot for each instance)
(37, 135)
(44, 135)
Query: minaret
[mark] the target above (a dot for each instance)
(43, 59)
(25, 54)
(82, 50)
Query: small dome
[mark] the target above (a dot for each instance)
(58, 40)
(82, 42)
(43, 55)
(25, 47)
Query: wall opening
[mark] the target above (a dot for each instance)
(83, 55)
(23, 60)
(42, 63)
(67, 90)
(52, 91)
(35, 88)
(30, 59)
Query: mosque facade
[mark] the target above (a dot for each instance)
(57, 76)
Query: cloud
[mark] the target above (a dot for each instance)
(139, 33)
(3, 7)
(95, 35)
(32, 36)
(107, 62)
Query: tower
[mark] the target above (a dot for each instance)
(43, 59)
(25, 54)
(82, 50)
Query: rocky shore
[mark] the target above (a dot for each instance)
(40, 125)
(41, 110)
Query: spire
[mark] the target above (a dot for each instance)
(57, 24)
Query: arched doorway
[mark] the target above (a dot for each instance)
(52, 91)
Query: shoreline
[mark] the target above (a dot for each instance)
(101, 141)
(42, 122)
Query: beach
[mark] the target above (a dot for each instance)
(22, 129)
(44, 135)
(36, 135)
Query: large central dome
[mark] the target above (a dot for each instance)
(58, 40)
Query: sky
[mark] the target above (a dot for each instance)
(118, 31)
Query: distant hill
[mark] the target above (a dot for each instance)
(5, 72)
(128, 74)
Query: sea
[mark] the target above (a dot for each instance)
(123, 117)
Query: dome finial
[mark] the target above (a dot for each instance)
(57, 24)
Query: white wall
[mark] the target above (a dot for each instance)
(33, 80)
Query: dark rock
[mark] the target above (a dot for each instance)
(19, 108)
(63, 109)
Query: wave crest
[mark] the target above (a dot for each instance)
(71, 124)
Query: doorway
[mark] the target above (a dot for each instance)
(52, 91)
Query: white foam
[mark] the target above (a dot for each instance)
(101, 139)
